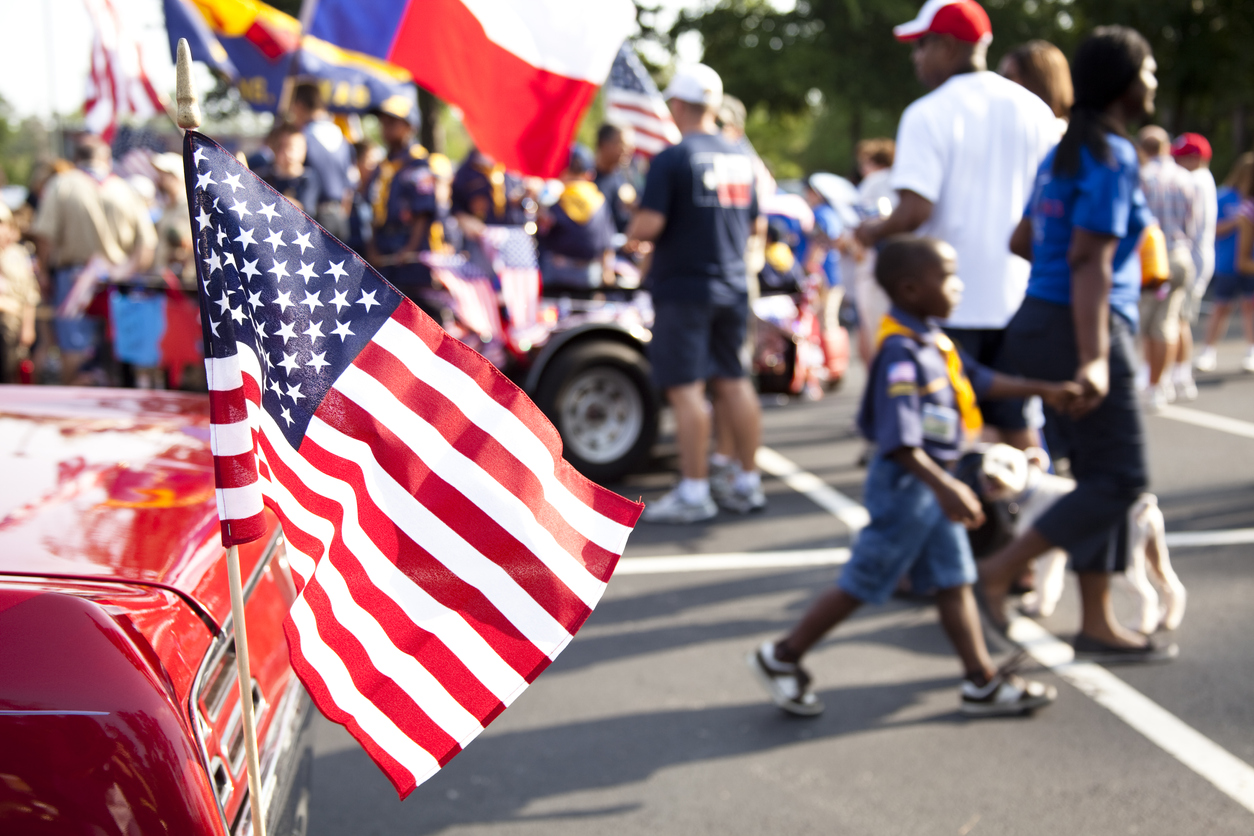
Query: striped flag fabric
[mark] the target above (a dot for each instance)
(512, 253)
(117, 84)
(631, 98)
(444, 551)
(474, 297)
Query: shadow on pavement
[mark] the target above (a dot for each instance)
(500, 776)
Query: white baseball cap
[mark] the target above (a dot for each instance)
(696, 84)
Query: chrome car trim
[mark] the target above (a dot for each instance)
(289, 717)
(225, 637)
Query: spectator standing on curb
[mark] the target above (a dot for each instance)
(1234, 285)
(1192, 153)
(1171, 194)
(699, 207)
(85, 212)
(967, 155)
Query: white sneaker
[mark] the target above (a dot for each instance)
(673, 508)
(1155, 399)
(1186, 388)
(1247, 362)
(1206, 360)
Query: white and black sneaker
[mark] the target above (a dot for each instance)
(1007, 694)
(788, 684)
(673, 508)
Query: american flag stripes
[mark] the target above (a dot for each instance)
(631, 98)
(444, 552)
(512, 253)
(474, 297)
(116, 83)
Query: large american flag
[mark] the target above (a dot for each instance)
(631, 98)
(444, 551)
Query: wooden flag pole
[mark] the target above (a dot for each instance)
(188, 117)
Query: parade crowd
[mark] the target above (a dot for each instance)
(1021, 266)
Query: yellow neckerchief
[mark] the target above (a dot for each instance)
(964, 395)
(580, 200)
(780, 256)
(387, 170)
(496, 177)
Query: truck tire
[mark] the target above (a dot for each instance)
(599, 396)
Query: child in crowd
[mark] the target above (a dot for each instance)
(288, 174)
(919, 409)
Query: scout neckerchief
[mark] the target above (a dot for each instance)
(964, 395)
(383, 186)
(580, 200)
(496, 177)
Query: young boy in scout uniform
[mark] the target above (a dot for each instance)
(576, 234)
(919, 410)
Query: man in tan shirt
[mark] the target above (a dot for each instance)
(84, 213)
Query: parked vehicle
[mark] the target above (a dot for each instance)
(119, 705)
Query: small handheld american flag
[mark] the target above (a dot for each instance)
(444, 551)
(631, 98)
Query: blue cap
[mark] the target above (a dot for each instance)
(581, 159)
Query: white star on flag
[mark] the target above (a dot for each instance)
(279, 270)
(245, 238)
(318, 361)
(213, 262)
(232, 180)
(284, 301)
(289, 362)
(336, 270)
(249, 269)
(204, 219)
(303, 241)
(204, 180)
(267, 209)
(311, 299)
(341, 330)
(276, 240)
(367, 299)
(293, 392)
(287, 331)
(240, 208)
(340, 300)
(306, 272)
(314, 332)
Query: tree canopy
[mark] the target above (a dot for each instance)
(829, 72)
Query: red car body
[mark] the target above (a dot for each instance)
(119, 703)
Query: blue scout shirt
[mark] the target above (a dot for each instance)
(401, 189)
(1226, 245)
(704, 186)
(582, 226)
(501, 191)
(909, 401)
(826, 219)
(1100, 198)
(329, 154)
(620, 194)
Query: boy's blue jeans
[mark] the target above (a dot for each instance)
(908, 533)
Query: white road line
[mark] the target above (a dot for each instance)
(731, 560)
(853, 515)
(1231, 775)
(1197, 539)
(1208, 759)
(1206, 419)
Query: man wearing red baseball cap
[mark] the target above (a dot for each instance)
(967, 156)
(1192, 153)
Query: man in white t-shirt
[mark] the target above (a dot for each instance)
(967, 156)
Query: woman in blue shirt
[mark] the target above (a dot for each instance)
(1081, 232)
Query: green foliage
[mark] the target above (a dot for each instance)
(829, 72)
(22, 144)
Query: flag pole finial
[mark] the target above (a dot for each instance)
(188, 115)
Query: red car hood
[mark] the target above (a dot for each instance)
(112, 485)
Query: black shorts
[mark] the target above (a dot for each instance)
(694, 341)
(1107, 445)
(983, 345)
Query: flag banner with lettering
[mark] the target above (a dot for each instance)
(444, 551)
(522, 71)
(258, 47)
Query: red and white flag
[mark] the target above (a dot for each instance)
(512, 253)
(117, 84)
(522, 71)
(474, 297)
(444, 551)
(631, 98)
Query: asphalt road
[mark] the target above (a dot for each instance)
(649, 723)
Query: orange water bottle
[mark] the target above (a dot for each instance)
(1154, 267)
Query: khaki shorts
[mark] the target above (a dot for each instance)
(1162, 306)
(871, 301)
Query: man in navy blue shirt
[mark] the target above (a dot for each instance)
(615, 146)
(699, 208)
(329, 155)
